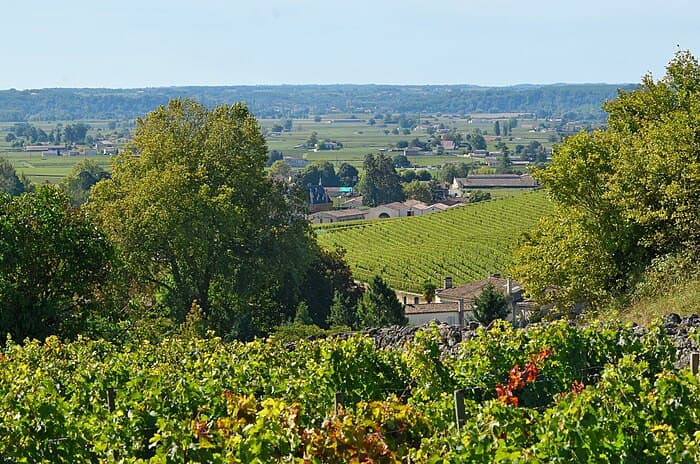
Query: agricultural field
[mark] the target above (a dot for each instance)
(552, 393)
(358, 138)
(467, 243)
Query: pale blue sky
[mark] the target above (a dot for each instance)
(148, 43)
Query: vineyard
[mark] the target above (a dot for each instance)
(553, 393)
(467, 243)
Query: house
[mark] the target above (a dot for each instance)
(420, 314)
(318, 199)
(412, 151)
(326, 217)
(453, 305)
(390, 210)
(470, 291)
(448, 145)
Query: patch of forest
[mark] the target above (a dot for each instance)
(571, 101)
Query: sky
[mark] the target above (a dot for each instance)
(154, 43)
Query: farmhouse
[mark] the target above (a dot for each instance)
(453, 305)
(420, 314)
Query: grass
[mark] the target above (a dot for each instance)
(681, 299)
(51, 169)
(358, 139)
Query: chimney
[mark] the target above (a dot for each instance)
(448, 282)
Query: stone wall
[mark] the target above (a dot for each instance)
(676, 327)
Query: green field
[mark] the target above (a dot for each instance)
(51, 170)
(358, 139)
(466, 243)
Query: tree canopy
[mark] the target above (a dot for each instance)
(379, 306)
(52, 262)
(380, 183)
(623, 195)
(195, 216)
(10, 182)
(79, 181)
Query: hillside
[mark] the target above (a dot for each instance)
(466, 243)
(577, 101)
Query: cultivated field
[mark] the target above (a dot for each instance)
(466, 243)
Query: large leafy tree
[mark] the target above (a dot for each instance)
(195, 215)
(348, 175)
(319, 172)
(380, 183)
(53, 261)
(622, 196)
(79, 181)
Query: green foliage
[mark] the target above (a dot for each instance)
(470, 241)
(379, 306)
(10, 182)
(319, 172)
(429, 291)
(624, 195)
(380, 183)
(195, 215)
(348, 175)
(53, 261)
(280, 168)
(203, 400)
(418, 190)
(343, 311)
(302, 315)
(490, 305)
(83, 176)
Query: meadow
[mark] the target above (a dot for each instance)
(358, 138)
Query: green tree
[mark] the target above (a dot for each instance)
(273, 156)
(343, 312)
(328, 275)
(490, 305)
(348, 175)
(622, 196)
(418, 190)
(79, 181)
(429, 289)
(322, 172)
(196, 216)
(380, 183)
(379, 306)
(281, 168)
(10, 182)
(302, 315)
(401, 161)
(497, 128)
(53, 261)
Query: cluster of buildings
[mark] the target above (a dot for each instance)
(102, 147)
(454, 305)
(390, 210)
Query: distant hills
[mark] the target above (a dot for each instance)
(569, 101)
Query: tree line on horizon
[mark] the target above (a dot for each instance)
(573, 101)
